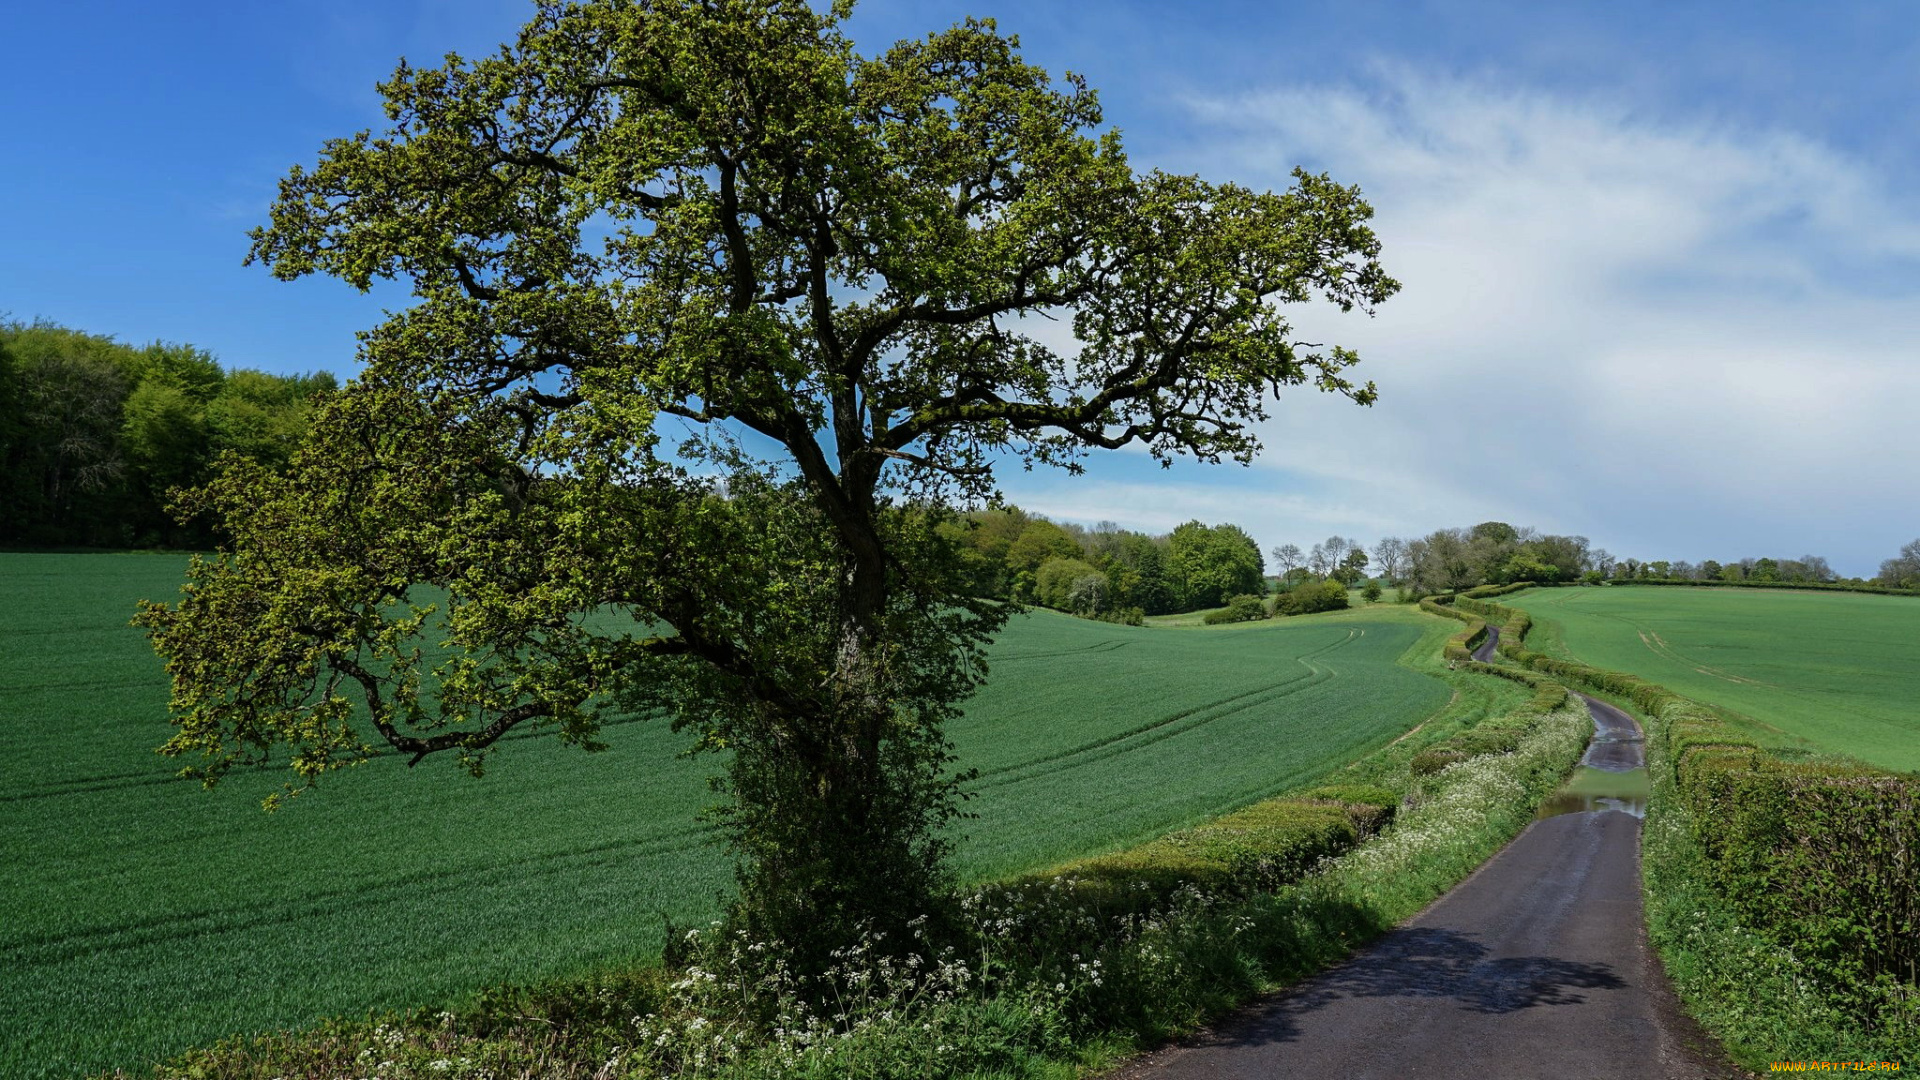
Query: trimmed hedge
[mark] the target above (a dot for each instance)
(1501, 736)
(1826, 857)
(1486, 591)
(1459, 647)
(1815, 586)
(1258, 849)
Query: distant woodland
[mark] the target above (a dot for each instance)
(94, 433)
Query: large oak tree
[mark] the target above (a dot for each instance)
(713, 319)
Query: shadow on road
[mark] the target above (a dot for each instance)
(1433, 964)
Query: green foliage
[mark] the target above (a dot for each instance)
(1040, 542)
(98, 434)
(1311, 599)
(1214, 563)
(1243, 608)
(1070, 585)
(1372, 592)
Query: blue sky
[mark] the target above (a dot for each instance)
(1662, 261)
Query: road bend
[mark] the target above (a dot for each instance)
(1536, 966)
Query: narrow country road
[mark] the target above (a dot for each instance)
(1484, 653)
(1536, 966)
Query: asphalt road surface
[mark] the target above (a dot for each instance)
(1536, 966)
(1484, 653)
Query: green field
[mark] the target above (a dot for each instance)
(140, 915)
(1831, 671)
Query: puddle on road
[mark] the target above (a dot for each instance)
(1599, 789)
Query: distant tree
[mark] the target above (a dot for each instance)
(1324, 558)
(1570, 555)
(1659, 568)
(1071, 585)
(1525, 566)
(71, 410)
(1040, 541)
(1352, 567)
(1372, 591)
(95, 435)
(1213, 563)
(1710, 571)
(1903, 570)
(1497, 532)
(1447, 559)
(1140, 576)
(1765, 570)
(1390, 555)
(1288, 556)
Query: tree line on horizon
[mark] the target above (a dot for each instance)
(1494, 552)
(96, 434)
(1105, 572)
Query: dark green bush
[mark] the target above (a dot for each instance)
(1311, 598)
(1243, 608)
(1371, 808)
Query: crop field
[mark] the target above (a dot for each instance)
(140, 915)
(1837, 672)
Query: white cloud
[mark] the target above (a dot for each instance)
(1682, 339)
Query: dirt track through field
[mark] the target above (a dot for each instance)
(1536, 966)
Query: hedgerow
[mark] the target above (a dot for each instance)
(1813, 586)
(1459, 647)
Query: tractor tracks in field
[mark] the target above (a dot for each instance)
(31, 950)
(1178, 723)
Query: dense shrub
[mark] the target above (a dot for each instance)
(1311, 598)
(1243, 608)
(1070, 585)
(1828, 857)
